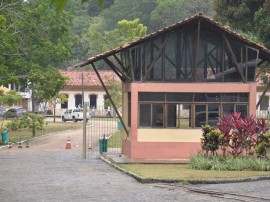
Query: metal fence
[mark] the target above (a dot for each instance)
(103, 135)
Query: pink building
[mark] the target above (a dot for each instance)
(179, 78)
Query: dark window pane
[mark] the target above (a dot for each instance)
(242, 109)
(229, 97)
(228, 109)
(179, 97)
(264, 103)
(207, 97)
(213, 114)
(200, 115)
(151, 96)
(145, 115)
(171, 116)
(243, 97)
(157, 115)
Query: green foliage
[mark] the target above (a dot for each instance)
(251, 17)
(237, 14)
(33, 39)
(237, 136)
(262, 26)
(29, 120)
(127, 31)
(9, 98)
(168, 12)
(211, 140)
(40, 80)
(228, 163)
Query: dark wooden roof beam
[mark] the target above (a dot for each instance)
(151, 66)
(119, 73)
(238, 68)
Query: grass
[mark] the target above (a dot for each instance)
(50, 127)
(184, 172)
(229, 163)
(115, 141)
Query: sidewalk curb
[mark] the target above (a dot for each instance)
(143, 180)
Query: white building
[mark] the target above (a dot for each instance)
(89, 86)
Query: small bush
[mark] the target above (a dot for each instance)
(200, 162)
(228, 163)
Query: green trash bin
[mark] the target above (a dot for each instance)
(119, 125)
(103, 144)
(4, 137)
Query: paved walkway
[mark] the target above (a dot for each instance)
(49, 173)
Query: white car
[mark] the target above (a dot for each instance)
(74, 115)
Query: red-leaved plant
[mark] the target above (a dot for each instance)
(243, 135)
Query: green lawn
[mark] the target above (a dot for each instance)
(185, 173)
(50, 127)
(115, 141)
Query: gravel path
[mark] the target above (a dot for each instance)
(48, 172)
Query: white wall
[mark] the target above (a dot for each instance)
(71, 99)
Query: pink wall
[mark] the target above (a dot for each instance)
(175, 150)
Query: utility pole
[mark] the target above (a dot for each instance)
(33, 110)
(84, 121)
(82, 90)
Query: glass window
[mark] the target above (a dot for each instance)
(172, 118)
(64, 105)
(179, 97)
(228, 109)
(200, 115)
(243, 97)
(151, 96)
(184, 116)
(207, 97)
(157, 115)
(229, 97)
(145, 115)
(213, 114)
(243, 109)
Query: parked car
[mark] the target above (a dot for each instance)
(74, 115)
(200, 118)
(2, 112)
(14, 113)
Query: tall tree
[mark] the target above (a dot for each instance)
(168, 12)
(127, 31)
(237, 14)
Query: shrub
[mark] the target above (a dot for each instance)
(228, 163)
(29, 120)
(211, 139)
(200, 162)
(237, 135)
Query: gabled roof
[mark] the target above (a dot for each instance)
(264, 52)
(90, 77)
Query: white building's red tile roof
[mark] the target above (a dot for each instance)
(89, 77)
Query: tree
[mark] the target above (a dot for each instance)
(115, 93)
(262, 25)
(238, 15)
(34, 39)
(57, 99)
(127, 31)
(46, 84)
(168, 12)
(9, 98)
